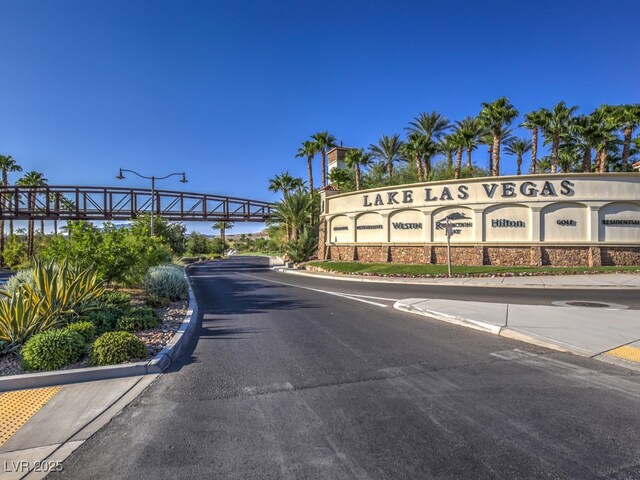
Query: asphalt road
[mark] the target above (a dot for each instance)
(288, 382)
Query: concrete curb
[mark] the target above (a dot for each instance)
(408, 281)
(456, 320)
(156, 365)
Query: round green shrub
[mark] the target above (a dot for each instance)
(167, 281)
(117, 347)
(86, 329)
(52, 350)
(114, 298)
(154, 301)
(138, 318)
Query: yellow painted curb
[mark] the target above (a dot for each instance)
(17, 407)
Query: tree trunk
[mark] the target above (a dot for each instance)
(458, 163)
(419, 165)
(628, 131)
(534, 150)
(586, 160)
(390, 167)
(469, 164)
(519, 163)
(449, 159)
(223, 237)
(603, 159)
(427, 168)
(490, 149)
(55, 227)
(324, 168)
(357, 176)
(42, 227)
(554, 153)
(496, 154)
(310, 168)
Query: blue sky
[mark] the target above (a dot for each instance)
(227, 90)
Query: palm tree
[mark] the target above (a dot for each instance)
(223, 227)
(431, 126)
(357, 159)
(471, 130)
(388, 150)
(448, 147)
(487, 139)
(293, 213)
(324, 141)
(518, 147)
(285, 183)
(458, 142)
(338, 177)
(604, 123)
(568, 156)
(495, 116)
(534, 121)
(32, 179)
(584, 136)
(7, 164)
(308, 150)
(414, 148)
(627, 118)
(556, 124)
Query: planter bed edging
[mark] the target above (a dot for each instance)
(157, 364)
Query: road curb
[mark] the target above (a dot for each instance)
(408, 281)
(157, 364)
(454, 319)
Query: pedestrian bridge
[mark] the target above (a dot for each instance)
(112, 203)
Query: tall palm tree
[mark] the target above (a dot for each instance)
(308, 150)
(627, 118)
(32, 179)
(534, 121)
(556, 124)
(285, 183)
(223, 227)
(458, 141)
(471, 131)
(487, 139)
(293, 213)
(7, 164)
(495, 116)
(448, 147)
(357, 159)
(568, 157)
(584, 135)
(432, 125)
(518, 147)
(324, 141)
(388, 150)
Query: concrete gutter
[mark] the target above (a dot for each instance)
(535, 281)
(156, 365)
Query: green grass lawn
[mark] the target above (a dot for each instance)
(432, 270)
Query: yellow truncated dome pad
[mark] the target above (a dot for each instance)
(626, 352)
(17, 407)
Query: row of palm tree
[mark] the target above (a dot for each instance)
(30, 179)
(572, 139)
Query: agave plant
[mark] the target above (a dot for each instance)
(20, 318)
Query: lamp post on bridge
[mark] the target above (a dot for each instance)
(153, 179)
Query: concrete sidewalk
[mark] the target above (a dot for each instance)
(596, 280)
(61, 422)
(609, 334)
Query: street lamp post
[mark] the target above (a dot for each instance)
(153, 179)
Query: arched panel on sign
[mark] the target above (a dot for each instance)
(565, 222)
(340, 230)
(462, 221)
(370, 228)
(507, 223)
(407, 226)
(619, 222)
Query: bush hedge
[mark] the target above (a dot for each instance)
(117, 347)
(105, 319)
(52, 350)
(114, 298)
(166, 281)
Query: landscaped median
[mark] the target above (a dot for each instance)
(440, 271)
(60, 324)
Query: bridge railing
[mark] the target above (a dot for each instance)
(113, 203)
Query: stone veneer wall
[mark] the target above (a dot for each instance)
(560, 256)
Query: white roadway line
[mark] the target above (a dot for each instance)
(337, 294)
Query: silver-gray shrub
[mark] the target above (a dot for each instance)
(21, 277)
(166, 281)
